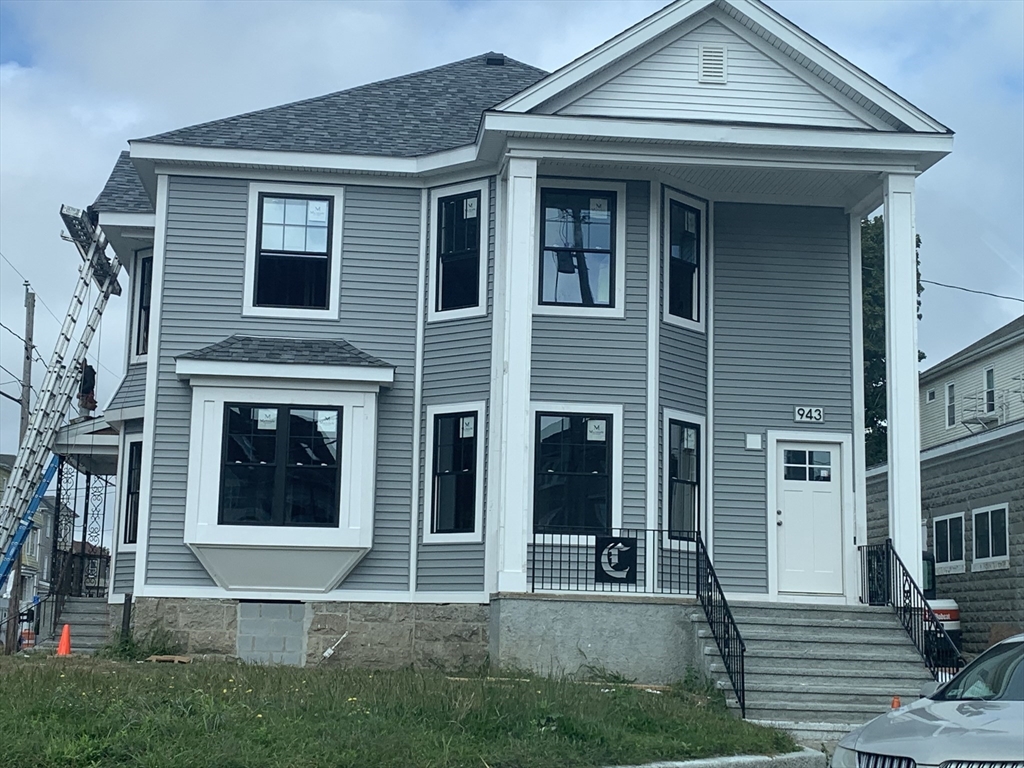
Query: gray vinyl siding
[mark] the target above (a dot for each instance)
(131, 392)
(759, 90)
(124, 573)
(456, 369)
(598, 360)
(202, 303)
(782, 337)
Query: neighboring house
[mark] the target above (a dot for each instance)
(972, 483)
(402, 356)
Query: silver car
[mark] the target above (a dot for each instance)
(974, 720)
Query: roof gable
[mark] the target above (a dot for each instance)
(824, 71)
(123, 192)
(418, 114)
(757, 89)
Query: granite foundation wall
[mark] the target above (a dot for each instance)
(450, 637)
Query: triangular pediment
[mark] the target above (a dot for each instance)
(744, 85)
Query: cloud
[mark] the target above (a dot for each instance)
(78, 79)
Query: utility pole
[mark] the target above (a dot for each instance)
(14, 603)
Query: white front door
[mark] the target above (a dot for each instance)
(809, 518)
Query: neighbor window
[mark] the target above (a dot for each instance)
(577, 252)
(280, 465)
(950, 406)
(458, 252)
(683, 267)
(455, 472)
(931, 395)
(573, 473)
(293, 251)
(144, 296)
(133, 484)
(991, 536)
(990, 390)
(683, 479)
(948, 541)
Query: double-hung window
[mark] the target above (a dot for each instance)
(455, 466)
(581, 250)
(280, 465)
(143, 299)
(948, 543)
(684, 265)
(683, 478)
(133, 485)
(991, 538)
(950, 406)
(459, 218)
(293, 251)
(573, 484)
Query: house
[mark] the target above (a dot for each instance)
(489, 363)
(972, 483)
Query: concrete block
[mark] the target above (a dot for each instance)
(293, 644)
(248, 610)
(268, 644)
(274, 610)
(286, 659)
(297, 612)
(283, 628)
(244, 644)
(250, 627)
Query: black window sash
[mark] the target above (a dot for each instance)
(283, 254)
(132, 492)
(450, 256)
(281, 465)
(679, 268)
(572, 252)
(567, 476)
(437, 474)
(675, 482)
(144, 298)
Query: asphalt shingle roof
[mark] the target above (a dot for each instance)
(418, 114)
(259, 349)
(123, 192)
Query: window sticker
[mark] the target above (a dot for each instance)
(327, 421)
(467, 426)
(598, 209)
(317, 212)
(266, 418)
(596, 429)
(469, 208)
(689, 439)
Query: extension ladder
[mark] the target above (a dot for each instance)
(29, 477)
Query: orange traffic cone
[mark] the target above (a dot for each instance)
(64, 647)
(896, 702)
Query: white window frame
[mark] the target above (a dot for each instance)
(702, 262)
(614, 410)
(249, 309)
(950, 400)
(986, 389)
(989, 563)
(480, 310)
(931, 396)
(951, 566)
(618, 256)
(134, 314)
(429, 536)
(670, 415)
(122, 497)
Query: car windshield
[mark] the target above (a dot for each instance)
(996, 675)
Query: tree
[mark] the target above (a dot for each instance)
(872, 240)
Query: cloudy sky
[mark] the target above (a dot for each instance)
(78, 79)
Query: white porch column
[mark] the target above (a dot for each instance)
(517, 308)
(901, 371)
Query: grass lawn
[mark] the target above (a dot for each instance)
(83, 712)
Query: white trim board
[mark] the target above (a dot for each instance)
(851, 582)
(653, 368)
(191, 368)
(435, 315)
(417, 417)
(479, 408)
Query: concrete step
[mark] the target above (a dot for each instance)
(870, 621)
(814, 712)
(838, 637)
(866, 676)
(838, 696)
(823, 655)
(91, 617)
(744, 609)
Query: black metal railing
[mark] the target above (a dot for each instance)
(35, 623)
(641, 561)
(886, 581)
(723, 625)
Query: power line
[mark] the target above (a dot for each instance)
(22, 340)
(972, 290)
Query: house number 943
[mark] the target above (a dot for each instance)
(808, 413)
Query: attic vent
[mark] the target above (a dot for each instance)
(495, 60)
(711, 64)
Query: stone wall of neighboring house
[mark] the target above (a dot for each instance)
(960, 481)
(372, 635)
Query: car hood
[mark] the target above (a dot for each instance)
(932, 732)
